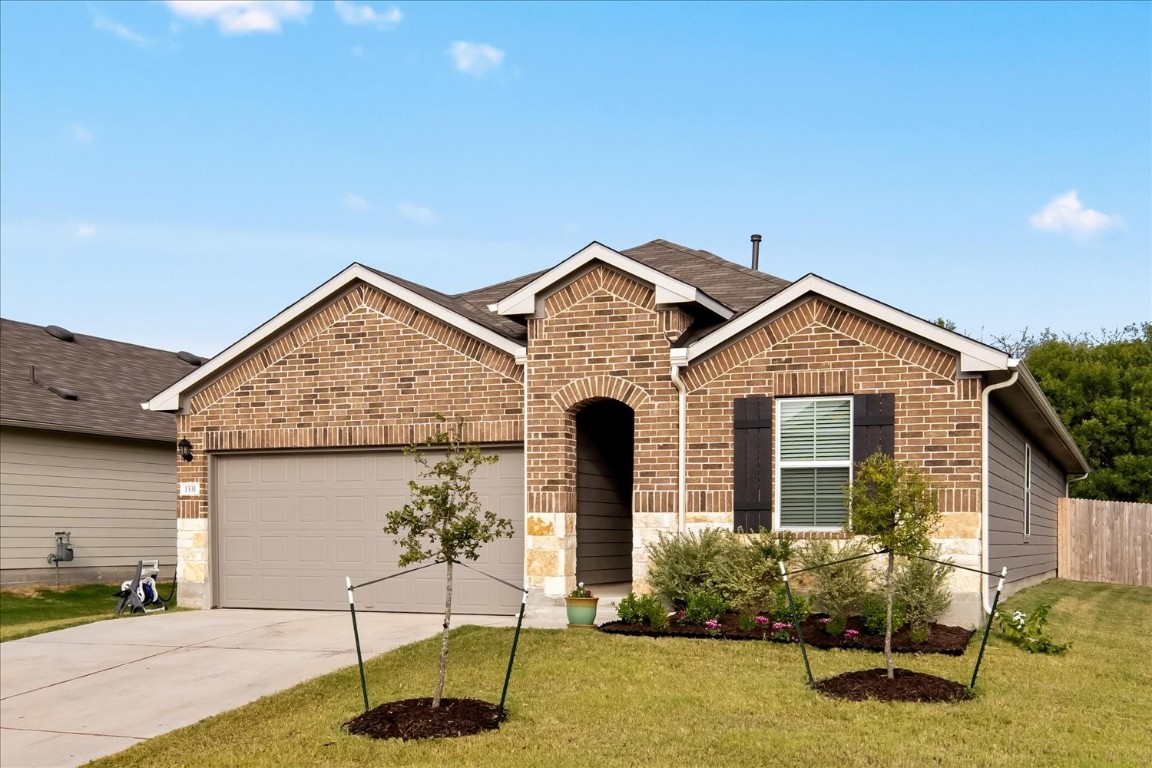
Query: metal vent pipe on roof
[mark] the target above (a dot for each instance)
(756, 251)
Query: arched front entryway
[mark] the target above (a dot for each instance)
(604, 464)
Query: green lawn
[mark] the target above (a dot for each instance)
(586, 699)
(31, 611)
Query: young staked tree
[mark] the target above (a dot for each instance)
(894, 505)
(444, 520)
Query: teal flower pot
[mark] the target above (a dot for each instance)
(581, 612)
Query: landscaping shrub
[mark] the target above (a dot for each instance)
(702, 606)
(749, 570)
(922, 590)
(838, 589)
(642, 609)
(874, 612)
(781, 610)
(682, 562)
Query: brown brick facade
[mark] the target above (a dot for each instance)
(367, 370)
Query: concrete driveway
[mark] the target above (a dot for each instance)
(70, 696)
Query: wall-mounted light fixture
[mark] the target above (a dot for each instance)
(185, 450)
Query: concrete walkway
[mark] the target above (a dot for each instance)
(70, 696)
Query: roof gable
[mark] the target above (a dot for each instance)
(109, 378)
(974, 356)
(669, 290)
(425, 299)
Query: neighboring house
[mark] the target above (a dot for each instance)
(628, 394)
(78, 454)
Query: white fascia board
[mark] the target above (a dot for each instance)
(1040, 400)
(669, 290)
(974, 356)
(169, 399)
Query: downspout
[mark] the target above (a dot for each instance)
(984, 505)
(682, 447)
(523, 360)
(1069, 479)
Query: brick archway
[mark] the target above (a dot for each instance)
(576, 392)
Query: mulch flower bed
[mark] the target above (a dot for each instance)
(416, 719)
(941, 639)
(873, 684)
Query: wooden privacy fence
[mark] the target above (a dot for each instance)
(1108, 541)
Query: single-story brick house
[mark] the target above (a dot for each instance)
(77, 454)
(628, 393)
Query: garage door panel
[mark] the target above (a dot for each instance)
(274, 510)
(349, 468)
(311, 469)
(350, 509)
(291, 527)
(311, 549)
(273, 472)
(312, 509)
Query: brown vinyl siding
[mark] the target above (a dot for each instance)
(1033, 556)
(117, 497)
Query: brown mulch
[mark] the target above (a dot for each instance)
(416, 719)
(942, 638)
(873, 684)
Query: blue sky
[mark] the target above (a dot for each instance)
(173, 173)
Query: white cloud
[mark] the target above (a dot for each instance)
(355, 203)
(242, 16)
(82, 134)
(351, 13)
(1067, 214)
(85, 231)
(476, 59)
(417, 214)
(103, 23)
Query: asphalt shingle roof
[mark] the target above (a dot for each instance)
(110, 378)
(737, 287)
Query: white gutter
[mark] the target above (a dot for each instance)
(682, 447)
(984, 505)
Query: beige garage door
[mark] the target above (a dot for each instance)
(289, 527)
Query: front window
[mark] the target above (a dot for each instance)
(813, 462)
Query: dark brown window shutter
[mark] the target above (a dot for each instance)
(873, 425)
(752, 463)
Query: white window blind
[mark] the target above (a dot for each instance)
(814, 461)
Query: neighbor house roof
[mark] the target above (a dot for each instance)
(108, 379)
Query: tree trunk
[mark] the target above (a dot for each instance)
(888, 619)
(444, 638)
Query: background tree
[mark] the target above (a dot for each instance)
(444, 520)
(1101, 385)
(894, 506)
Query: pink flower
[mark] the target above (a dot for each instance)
(761, 620)
(850, 634)
(826, 620)
(780, 626)
(712, 624)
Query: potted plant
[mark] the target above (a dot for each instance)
(581, 606)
